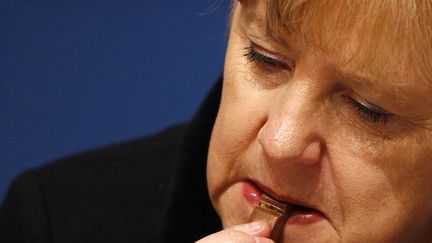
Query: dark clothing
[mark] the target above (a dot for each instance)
(148, 190)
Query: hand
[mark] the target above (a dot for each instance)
(255, 232)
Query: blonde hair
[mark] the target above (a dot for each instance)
(388, 35)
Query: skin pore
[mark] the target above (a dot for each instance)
(300, 124)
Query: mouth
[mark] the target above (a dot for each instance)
(301, 213)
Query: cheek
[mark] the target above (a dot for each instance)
(242, 112)
(382, 185)
(241, 115)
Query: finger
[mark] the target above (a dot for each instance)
(263, 240)
(233, 236)
(257, 228)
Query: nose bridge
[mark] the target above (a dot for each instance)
(289, 133)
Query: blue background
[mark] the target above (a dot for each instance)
(79, 74)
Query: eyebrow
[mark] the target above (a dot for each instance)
(397, 92)
(356, 79)
(395, 89)
(257, 24)
(257, 28)
(362, 81)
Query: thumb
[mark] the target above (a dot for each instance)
(259, 228)
(255, 232)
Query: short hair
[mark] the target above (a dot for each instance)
(385, 36)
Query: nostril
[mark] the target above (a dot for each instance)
(311, 153)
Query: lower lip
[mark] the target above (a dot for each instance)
(304, 216)
(298, 216)
(252, 193)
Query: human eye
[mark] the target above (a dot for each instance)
(367, 111)
(265, 59)
(268, 68)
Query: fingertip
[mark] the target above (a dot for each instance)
(256, 226)
(264, 230)
(259, 228)
(263, 240)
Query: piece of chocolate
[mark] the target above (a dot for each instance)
(272, 211)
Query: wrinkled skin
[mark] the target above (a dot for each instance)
(296, 131)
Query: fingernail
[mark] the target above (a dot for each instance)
(255, 226)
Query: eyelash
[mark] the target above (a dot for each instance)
(363, 111)
(253, 56)
(369, 114)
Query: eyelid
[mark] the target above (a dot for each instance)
(269, 54)
(368, 105)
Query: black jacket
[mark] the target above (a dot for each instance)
(147, 190)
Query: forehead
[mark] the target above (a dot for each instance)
(389, 40)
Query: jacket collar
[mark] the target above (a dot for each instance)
(189, 214)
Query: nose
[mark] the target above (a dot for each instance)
(290, 132)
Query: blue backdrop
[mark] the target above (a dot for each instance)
(80, 74)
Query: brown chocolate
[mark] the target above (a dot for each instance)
(272, 211)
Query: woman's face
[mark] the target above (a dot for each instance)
(355, 154)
